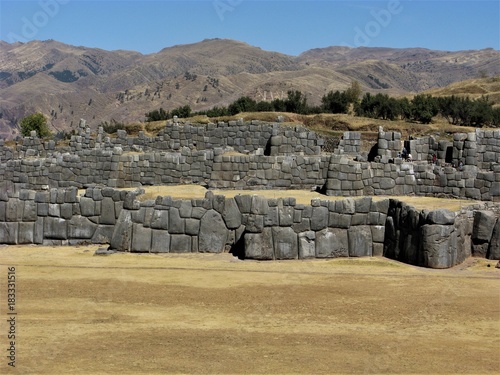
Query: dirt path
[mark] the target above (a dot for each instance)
(214, 314)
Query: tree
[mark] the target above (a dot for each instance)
(182, 112)
(296, 102)
(335, 102)
(243, 104)
(37, 122)
(354, 92)
(424, 108)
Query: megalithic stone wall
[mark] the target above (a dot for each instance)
(252, 227)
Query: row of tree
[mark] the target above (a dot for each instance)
(422, 108)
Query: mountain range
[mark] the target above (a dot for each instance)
(67, 82)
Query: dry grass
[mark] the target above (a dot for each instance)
(474, 88)
(214, 314)
(302, 196)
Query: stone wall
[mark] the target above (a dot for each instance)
(252, 227)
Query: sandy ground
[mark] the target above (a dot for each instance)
(214, 314)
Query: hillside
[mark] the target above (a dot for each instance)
(474, 88)
(67, 83)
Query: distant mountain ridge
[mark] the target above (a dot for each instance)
(67, 82)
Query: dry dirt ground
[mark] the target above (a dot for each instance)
(214, 314)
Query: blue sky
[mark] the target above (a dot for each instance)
(287, 26)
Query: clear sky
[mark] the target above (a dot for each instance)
(287, 26)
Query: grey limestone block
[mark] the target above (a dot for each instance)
(259, 245)
(3, 207)
(332, 243)
(108, 215)
(176, 224)
(259, 205)
(231, 214)
(103, 234)
(14, 210)
(254, 223)
(26, 233)
(55, 228)
(185, 209)
(244, 203)
(30, 211)
(180, 243)
(80, 227)
(66, 210)
(54, 210)
(141, 239)
(436, 245)
(272, 217)
(378, 233)
(441, 217)
(122, 234)
(363, 205)
(319, 219)
(336, 220)
(303, 226)
(38, 231)
(286, 215)
(192, 227)
(87, 206)
(9, 233)
(213, 233)
(484, 223)
(494, 245)
(285, 243)
(159, 219)
(307, 246)
(360, 241)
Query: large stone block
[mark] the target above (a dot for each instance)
(285, 243)
(360, 241)
(87, 206)
(14, 210)
(441, 217)
(307, 246)
(80, 227)
(108, 216)
(176, 224)
(213, 233)
(254, 223)
(103, 234)
(26, 233)
(378, 233)
(259, 245)
(286, 215)
(319, 219)
(484, 222)
(141, 239)
(122, 234)
(494, 248)
(160, 219)
(436, 242)
(231, 214)
(180, 243)
(160, 241)
(55, 228)
(30, 211)
(259, 205)
(332, 243)
(9, 233)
